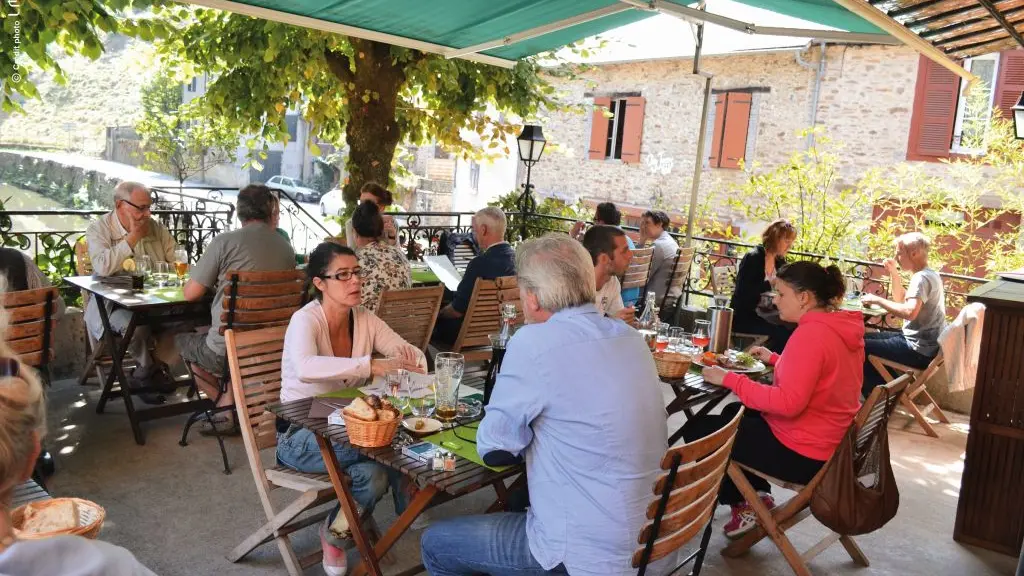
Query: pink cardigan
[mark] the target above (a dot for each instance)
(309, 367)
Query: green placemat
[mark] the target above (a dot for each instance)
(427, 276)
(343, 393)
(168, 293)
(462, 447)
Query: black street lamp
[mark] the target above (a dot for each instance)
(1018, 118)
(531, 147)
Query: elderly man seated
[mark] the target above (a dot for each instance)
(496, 259)
(922, 306)
(592, 433)
(611, 255)
(128, 232)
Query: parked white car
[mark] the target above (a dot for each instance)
(295, 188)
(332, 203)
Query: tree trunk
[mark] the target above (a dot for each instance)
(372, 133)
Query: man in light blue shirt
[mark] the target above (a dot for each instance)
(578, 398)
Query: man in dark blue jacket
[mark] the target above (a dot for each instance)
(496, 259)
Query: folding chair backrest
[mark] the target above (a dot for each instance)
(83, 266)
(483, 315)
(254, 359)
(875, 412)
(254, 300)
(508, 293)
(411, 313)
(639, 269)
(685, 496)
(461, 256)
(677, 279)
(30, 324)
(723, 279)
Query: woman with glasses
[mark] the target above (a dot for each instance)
(384, 266)
(329, 345)
(22, 425)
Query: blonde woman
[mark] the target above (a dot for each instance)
(22, 425)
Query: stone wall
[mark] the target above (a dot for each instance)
(866, 101)
(72, 186)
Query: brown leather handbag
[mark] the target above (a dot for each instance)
(858, 492)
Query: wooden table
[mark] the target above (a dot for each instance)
(435, 487)
(152, 306)
(692, 391)
(28, 491)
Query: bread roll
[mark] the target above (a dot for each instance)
(386, 415)
(361, 410)
(56, 516)
(374, 401)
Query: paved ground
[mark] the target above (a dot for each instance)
(176, 510)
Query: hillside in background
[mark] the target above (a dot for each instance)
(97, 94)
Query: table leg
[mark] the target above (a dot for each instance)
(348, 507)
(502, 491)
(416, 507)
(117, 368)
(704, 410)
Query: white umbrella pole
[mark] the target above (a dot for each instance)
(698, 165)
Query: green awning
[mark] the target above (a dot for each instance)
(448, 26)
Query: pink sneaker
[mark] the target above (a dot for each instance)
(334, 561)
(743, 518)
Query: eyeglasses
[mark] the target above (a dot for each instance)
(145, 208)
(343, 275)
(9, 368)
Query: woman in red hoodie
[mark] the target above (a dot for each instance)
(791, 428)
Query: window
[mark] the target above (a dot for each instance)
(943, 116)
(616, 128)
(292, 120)
(474, 175)
(192, 85)
(731, 139)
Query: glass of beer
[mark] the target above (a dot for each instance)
(181, 265)
(448, 371)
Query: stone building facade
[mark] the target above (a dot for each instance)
(865, 100)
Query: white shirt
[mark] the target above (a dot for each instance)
(609, 298)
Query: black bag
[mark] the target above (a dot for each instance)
(842, 502)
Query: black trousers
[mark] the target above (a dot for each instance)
(755, 446)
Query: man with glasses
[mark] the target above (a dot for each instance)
(127, 232)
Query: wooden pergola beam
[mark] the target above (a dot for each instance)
(998, 16)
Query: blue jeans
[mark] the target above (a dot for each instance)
(493, 544)
(891, 346)
(298, 450)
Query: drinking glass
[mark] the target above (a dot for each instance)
(181, 265)
(422, 407)
(675, 339)
(701, 334)
(448, 370)
(162, 274)
(144, 265)
(398, 388)
(662, 340)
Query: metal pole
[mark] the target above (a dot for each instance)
(526, 203)
(698, 165)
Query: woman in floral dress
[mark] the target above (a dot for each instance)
(383, 264)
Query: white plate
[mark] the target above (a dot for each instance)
(757, 367)
(429, 425)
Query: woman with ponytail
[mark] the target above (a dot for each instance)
(22, 426)
(791, 428)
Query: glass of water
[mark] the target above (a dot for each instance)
(144, 265)
(675, 339)
(162, 274)
(422, 407)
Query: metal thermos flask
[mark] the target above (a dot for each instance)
(721, 327)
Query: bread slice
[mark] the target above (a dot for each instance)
(360, 409)
(386, 415)
(56, 516)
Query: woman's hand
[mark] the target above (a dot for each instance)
(761, 353)
(381, 366)
(410, 356)
(891, 267)
(577, 229)
(714, 375)
(867, 299)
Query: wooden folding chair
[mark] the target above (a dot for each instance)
(638, 272)
(411, 313)
(30, 325)
(685, 497)
(254, 359)
(776, 522)
(252, 300)
(677, 280)
(83, 267)
(907, 399)
(482, 318)
(461, 256)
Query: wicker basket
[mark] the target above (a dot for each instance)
(90, 519)
(671, 364)
(375, 434)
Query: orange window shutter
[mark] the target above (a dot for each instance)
(599, 129)
(715, 157)
(737, 122)
(1010, 83)
(931, 125)
(633, 127)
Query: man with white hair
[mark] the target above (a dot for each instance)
(496, 259)
(125, 233)
(578, 398)
(922, 306)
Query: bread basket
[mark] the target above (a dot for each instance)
(90, 519)
(370, 433)
(672, 364)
